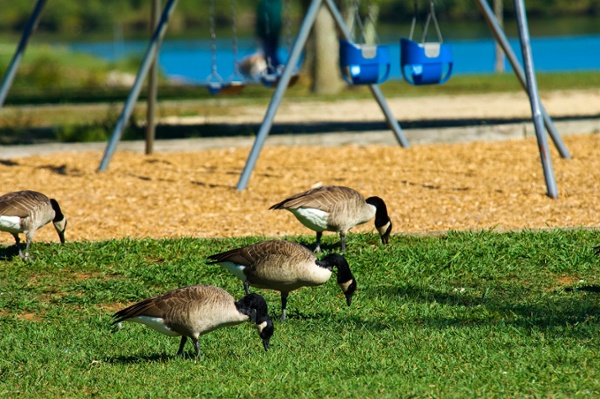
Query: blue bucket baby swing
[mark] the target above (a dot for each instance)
(363, 63)
(425, 63)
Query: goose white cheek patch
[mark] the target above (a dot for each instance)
(383, 228)
(261, 326)
(344, 286)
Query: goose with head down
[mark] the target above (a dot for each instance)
(284, 266)
(26, 212)
(337, 208)
(192, 311)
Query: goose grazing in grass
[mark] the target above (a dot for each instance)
(26, 212)
(284, 266)
(337, 208)
(196, 310)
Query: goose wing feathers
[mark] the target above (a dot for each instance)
(325, 198)
(180, 299)
(266, 252)
(21, 203)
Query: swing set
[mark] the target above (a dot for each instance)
(361, 62)
(418, 63)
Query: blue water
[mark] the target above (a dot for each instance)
(190, 60)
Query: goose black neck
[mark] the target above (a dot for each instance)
(344, 274)
(253, 303)
(58, 215)
(381, 215)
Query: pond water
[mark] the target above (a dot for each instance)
(558, 45)
(190, 60)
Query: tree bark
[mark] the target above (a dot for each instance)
(321, 59)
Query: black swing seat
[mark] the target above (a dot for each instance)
(216, 85)
(425, 63)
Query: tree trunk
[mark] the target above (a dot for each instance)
(321, 60)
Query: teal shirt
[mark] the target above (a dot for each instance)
(268, 18)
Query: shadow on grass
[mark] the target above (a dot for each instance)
(508, 308)
(8, 253)
(135, 359)
(311, 244)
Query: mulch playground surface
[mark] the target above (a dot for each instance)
(428, 188)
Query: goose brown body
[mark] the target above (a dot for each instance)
(284, 266)
(192, 311)
(338, 209)
(26, 212)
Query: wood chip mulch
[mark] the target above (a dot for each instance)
(428, 188)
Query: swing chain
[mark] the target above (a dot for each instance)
(357, 20)
(214, 76)
(234, 33)
(430, 16)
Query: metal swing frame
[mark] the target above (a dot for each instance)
(525, 74)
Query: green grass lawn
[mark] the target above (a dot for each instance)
(467, 314)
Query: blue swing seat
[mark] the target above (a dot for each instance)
(425, 64)
(364, 64)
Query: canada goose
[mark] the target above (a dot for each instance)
(284, 266)
(337, 208)
(26, 212)
(196, 310)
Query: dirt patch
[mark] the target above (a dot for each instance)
(428, 188)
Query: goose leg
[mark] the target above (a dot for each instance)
(181, 345)
(197, 348)
(29, 238)
(18, 244)
(247, 287)
(284, 296)
(319, 235)
(343, 239)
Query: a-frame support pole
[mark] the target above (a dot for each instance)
(134, 93)
(534, 99)
(265, 127)
(498, 33)
(30, 27)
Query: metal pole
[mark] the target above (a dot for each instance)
(282, 85)
(134, 93)
(152, 85)
(391, 120)
(534, 99)
(514, 62)
(30, 27)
